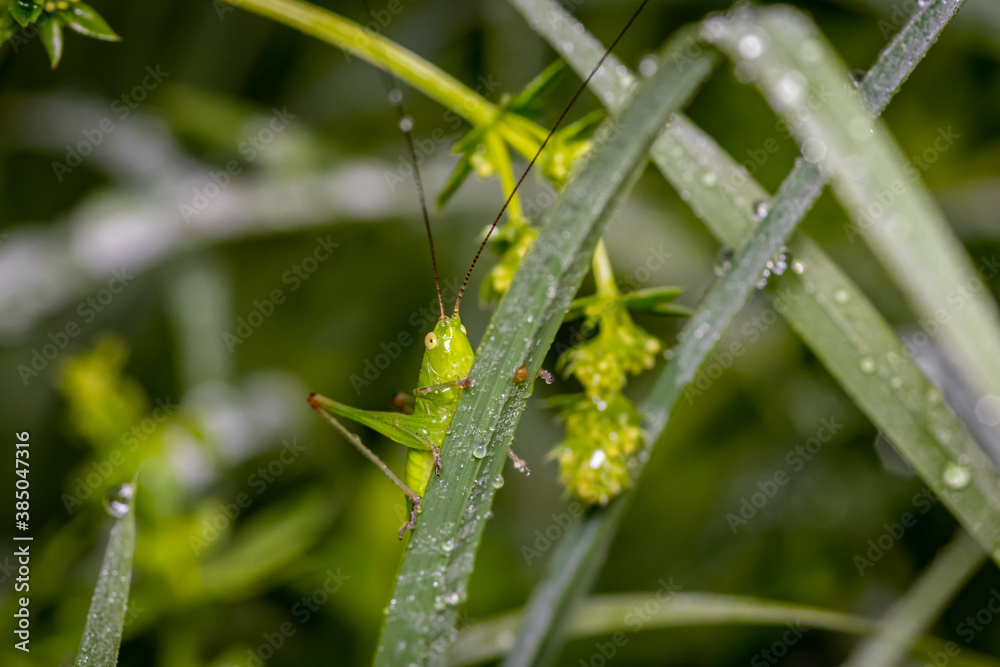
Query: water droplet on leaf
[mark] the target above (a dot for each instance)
(956, 476)
(119, 500)
(760, 209)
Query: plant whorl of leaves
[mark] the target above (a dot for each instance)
(48, 18)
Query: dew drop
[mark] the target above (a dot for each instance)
(395, 96)
(750, 47)
(451, 598)
(791, 88)
(723, 261)
(480, 450)
(119, 500)
(841, 296)
(709, 178)
(405, 124)
(798, 267)
(498, 481)
(956, 476)
(867, 365)
(439, 603)
(647, 66)
(597, 459)
(448, 546)
(760, 209)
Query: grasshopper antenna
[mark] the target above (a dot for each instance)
(541, 148)
(406, 127)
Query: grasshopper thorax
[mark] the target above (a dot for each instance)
(448, 353)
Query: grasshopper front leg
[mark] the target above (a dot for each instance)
(465, 383)
(460, 383)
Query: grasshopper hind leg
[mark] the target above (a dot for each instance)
(316, 402)
(412, 523)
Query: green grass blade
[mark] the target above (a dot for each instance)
(914, 613)
(433, 577)
(906, 230)
(893, 66)
(106, 619)
(606, 614)
(824, 307)
(542, 628)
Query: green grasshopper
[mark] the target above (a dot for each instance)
(444, 373)
(448, 353)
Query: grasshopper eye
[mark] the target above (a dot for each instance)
(463, 329)
(430, 341)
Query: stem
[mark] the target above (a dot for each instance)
(408, 66)
(505, 172)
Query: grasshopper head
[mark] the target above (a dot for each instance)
(448, 352)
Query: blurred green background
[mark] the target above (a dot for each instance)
(300, 137)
